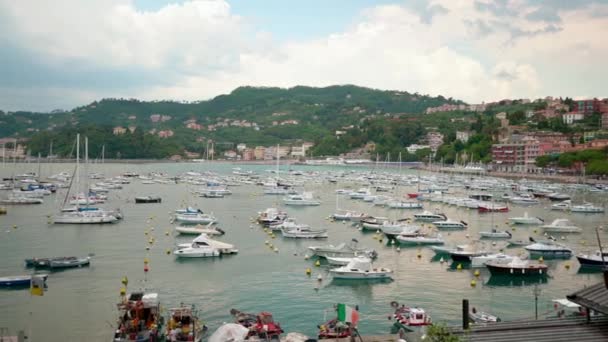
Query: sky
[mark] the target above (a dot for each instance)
(65, 53)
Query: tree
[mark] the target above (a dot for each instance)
(440, 333)
(543, 161)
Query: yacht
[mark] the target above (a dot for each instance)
(462, 253)
(427, 216)
(526, 220)
(586, 208)
(561, 226)
(524, 199)
(517, 267)
(420, 239)
(209, 229)
(305, 199)
(360, 194)
(558, 196)
(195, 218)
(199, 249)
(548, 249)
(291, 229)
(404, 205)
(373, 222)
(391, 229)
(343, 250)
(204, 240)
(360, 268)
(481, 260)
(495, 234)
(271, 216)
(596, 259)
(84, 217)
(563, 205)
(450, 224)
(348, 215)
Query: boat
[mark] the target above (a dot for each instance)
(139, 318)
(495, 234)
(450, 224)
(261, 326)
(360, 268)
(463, 254)
(19, 281)
(557, 196)
(348, 215)
(204, 241)
(199, 249)
(404, 205)
(548, 249)
(3, 211)
(21, 200)
(184, 325)
(481, 260)
(409, 318)
(343, 326)
(517, 267)
(596, 259)
(531, 220)
(81, 216)
(271, 215)
(427, 216)
(373, 222)
(304, 199)
(420, 239)
(392, 229)
(524, 199)
(209, 229)
(343, 250)
(304, 233)
(340, 261)
(492, 207)
(564, 205)
(147, 199)
(69, 262)
(587, 208)
(561, 226)
(196, 218)
(360, 194)
(480, 317)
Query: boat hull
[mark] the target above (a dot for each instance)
(517, 271)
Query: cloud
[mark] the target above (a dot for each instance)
(66, 53)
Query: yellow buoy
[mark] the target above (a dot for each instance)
(375, 237)
(535, 231)
(146, 261)
(276, 250)
(473, 283)
(513, 229)
(308, 272)
(147, 248)
(459, 267)
(125, 281)
(167, 233)
(541, 259)
(567, 265)
(123, 291)
(476, 273)
(145, 232)
(380, 240)
(418, 255)
(168, 251)
(317, 263)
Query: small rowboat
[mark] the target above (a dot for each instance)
(15, 281)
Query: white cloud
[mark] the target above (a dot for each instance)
(205, 49)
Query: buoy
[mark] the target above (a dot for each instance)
(563, 238)
(476, 273)
(317, 263)
(146, 261)
(541, 259)
(441, 260)
(535, 231)
(151, 241)
(272, 236)
(125, 281)
(375, 237)
(459, 267)
(152, 228)
(146, 269)
(306, 257)
(123, 291)
(380, 240)
(319, 277)
(308, 272)
(147, 248)
(513, 229)
(276, 250)
(493, 243)
(567, 265)
(145, 232)
(168, 251)
(266, 242)
(473, 283)
(418, 255)
(398, 249)
(467, 236)
(583, 242)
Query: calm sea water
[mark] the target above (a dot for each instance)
(80, 303)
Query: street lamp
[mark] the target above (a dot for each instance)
(536, 294)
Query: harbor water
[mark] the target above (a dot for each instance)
(80, 304)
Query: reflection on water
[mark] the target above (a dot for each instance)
(507, 280)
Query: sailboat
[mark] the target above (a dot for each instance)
(347, 215)
(83, 215)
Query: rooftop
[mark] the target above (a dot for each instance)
(593, 297)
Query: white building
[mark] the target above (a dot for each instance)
(241, 147)
(415, 147)
(570, 118)
(463, 136)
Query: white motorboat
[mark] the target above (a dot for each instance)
(524, 199)
(558, 196)
(373, 222)
(561, 226)
(495, 234)
(276, 190)
(450, 224)
(588, 208)
(348, 215)
(204, 240)
(209, 229)
(480, 317)
(196, 250)
(302, 231)
(188, 210)
(427, 216)
(343, 250)
(195, 218)
(564, 205)
(339, 261)
(381, 200)
(548, 249)
(360, 268)
(305, 199)
(84, 217)
(359, 194)
(21, 200)
(404, 205)
(531, 220)
(271, 216)
(420, 239)
(481, 260)
(392, 229)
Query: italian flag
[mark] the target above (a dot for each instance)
(347, 314)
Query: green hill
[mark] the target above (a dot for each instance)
(251, 115)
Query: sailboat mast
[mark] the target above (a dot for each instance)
(278, 159)
(39, 175)
(77, 167)
(86, 169)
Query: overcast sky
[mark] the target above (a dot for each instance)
(65, 53)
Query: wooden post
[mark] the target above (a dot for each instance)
(465, 314)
